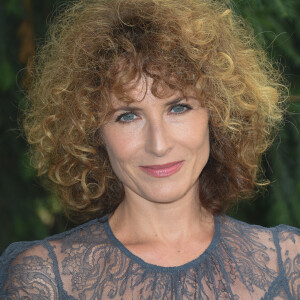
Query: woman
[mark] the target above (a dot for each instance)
(151, 116)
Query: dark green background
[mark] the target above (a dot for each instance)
(28, 212)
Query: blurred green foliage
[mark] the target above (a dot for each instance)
(29, 212)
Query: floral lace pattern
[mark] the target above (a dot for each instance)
(33, 277)
(242, 262)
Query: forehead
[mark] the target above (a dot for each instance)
(145, 89)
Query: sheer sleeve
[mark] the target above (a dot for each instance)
(27, 271)
(289, 244)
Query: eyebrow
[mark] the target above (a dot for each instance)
(135, 108)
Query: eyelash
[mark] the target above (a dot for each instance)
(186, 106)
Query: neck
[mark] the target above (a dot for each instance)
(140, 221)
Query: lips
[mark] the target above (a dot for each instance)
(163, 170)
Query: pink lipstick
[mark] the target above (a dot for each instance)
(163, 170)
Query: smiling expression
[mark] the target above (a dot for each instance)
(158, 147)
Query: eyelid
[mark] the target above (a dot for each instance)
(184, 101)
(134, 109)
(118, 119)
(182, 105)
(180, 102)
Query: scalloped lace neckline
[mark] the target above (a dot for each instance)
(140, 261)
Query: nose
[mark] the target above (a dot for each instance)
(158, 139)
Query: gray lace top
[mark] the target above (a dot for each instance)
(242, 262)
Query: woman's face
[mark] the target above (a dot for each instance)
(158, 147)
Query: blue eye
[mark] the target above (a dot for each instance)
(180, 108)
(126, 118)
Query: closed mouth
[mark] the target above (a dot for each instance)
(164, 170)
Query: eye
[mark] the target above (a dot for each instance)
(126, 117)
(180, 108)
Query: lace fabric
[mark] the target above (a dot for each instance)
(88, 262)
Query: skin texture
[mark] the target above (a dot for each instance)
(158, 213)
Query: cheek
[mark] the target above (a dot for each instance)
(204, 148)
(120, 147)
(195, 134)
(200, 149)
(198, 140)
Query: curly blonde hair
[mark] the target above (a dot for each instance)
(176, 42)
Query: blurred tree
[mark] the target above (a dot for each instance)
(277, 28)
(28, 212)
